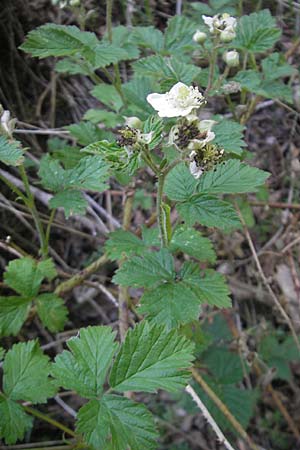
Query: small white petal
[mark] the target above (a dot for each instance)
(195, 170)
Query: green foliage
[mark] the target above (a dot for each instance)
(257, 32)
(11, 152)
(109, 96)
(89, 173)
(229, 136)
(25, 377)
(278, 355)
(25, 276)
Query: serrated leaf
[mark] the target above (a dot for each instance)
(154, 125)
(229, 136)
(26, 373)
(122, 243)
(275, 67)
(108, 118)
(11, 152)
(85, 132)
(231, 177)
(52, 311)
(121, 38)
(106, 54)
(84, 367)
(71, 200)
(170, 304)
(178, 35)
(225, 366)
(25, 275)
(248, 79)
(58, 40)
(73, 66)
(146, 271)
(117, 423)
(13, 313)
(257, 32)
(210, 286)
(151, 358)
(180, 184)
(209, 211)
(90, 173)
(148, 37)
(168, 71)
(136, 91)
(276, 90)
(191, 242)
(108, 95)
(14, 421)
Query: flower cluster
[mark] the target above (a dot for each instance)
(178, 102)
(223, 25)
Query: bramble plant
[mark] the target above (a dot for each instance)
(160, 125)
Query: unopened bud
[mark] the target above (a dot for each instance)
(232, 58)
(227, 35)
(133, 122)
(74, 2)
(199, 37)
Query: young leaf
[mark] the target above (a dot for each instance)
(52, 311)
(25, 275)
(229, 136)
(151, 358)
(209, 211)
(117, 423)
(86, 132)
(84, 367)
(14, 421)
(180, 185)
(58, 40)
(231, 177)
(13, 313)
(108, 96)
(11, 152)
(190, 241)
(26, 373)
(257, 32)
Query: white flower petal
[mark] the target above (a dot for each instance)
(195, 170)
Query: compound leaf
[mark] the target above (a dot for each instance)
(52, 311)
(190, 241)
(84, 367)
(14, 421)
(180, 185)
(151, 358)
(229, 136)
(13, 313)
(11, 152)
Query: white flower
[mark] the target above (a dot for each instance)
(195, 170)
(199, 37)
(144, 138)
(221, 23)
(204, 127)
(179, 101)
(133, 122)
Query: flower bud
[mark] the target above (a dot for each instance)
(74, 2)
(199, 37)
(133, 122)
(232, 58)
(227, 35)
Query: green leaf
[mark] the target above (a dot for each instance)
(117, 423)
(90, 173)
(25, 275)
(52, 311)
(278, 355)
(209, 211)
(122, 243)
(151, 358)
(74, 66)
(191, 242)
(108, 118)
(84, 367)
(121, 38)
(168, 71)
(13, 313)
(58, 40)
(108, 96)
(231, 177)
(25, 373)
(146, 271)
(275, 67)
(148, 37)
(72, 201)
(170, 304)
(2, 353)
(85, 132)
(229, 136)
(225, 366)
(257, 32)
(249, 79)
(14, 421)
(106, 54)
(180, 184)
(52, 174)
(178, 35)
(277, 90)
(154, 125)
(11, 152)
(136, 91)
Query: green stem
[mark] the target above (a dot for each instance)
(30, 203)
(109, 5)
(212, 66)
(48, 229)
(13, 188)
(45, 418)
(160, 211)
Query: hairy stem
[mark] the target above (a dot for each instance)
(45, 418)
(161, 212)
